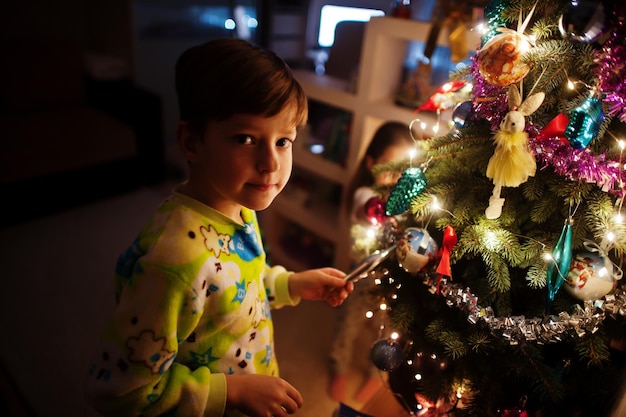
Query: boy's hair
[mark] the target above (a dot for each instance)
(223, 77)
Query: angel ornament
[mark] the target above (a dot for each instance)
(512, 162)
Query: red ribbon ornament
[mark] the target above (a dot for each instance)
(449, 240)
(442, 96)
(555, 128)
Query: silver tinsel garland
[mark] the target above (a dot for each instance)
(585, 319)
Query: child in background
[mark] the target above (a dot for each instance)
(192, 334)
(392, 142)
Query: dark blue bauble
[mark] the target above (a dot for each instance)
(386, 355)
(584, 21)
(462, 114)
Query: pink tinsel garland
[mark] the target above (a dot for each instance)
(580, 164)
(611, 68)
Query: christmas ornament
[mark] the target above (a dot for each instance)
(583, 21)
(610, 68)
(560, 263)
(410, 184)
(368, 263)
(462, 114)
(447, 96)
(584, 123)
(415, 250)
(386, 355)
(375, 210)
(591, 276)
(499, 60)
(512, 162)
(449, 240)
(555, 128)
(493, 13)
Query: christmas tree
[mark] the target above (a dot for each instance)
(502, 291)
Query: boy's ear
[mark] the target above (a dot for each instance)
(187, 140)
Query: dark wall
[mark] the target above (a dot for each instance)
(103, 26)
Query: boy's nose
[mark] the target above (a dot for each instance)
(268, 160)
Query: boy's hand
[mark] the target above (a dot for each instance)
(261, 395)
(321, 284)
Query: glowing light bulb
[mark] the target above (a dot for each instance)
(547, 257)
(491, 240)
(418, 377)
(369, 314)
(395, 335)
(435, 204)
(622, 144)
(618, 218)
(610, 236)
(383, 307)
(570, 84)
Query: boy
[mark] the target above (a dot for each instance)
(192, 334)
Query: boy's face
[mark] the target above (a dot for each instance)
(245, 160)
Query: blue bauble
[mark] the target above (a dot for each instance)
(386, 355)
(416, 249)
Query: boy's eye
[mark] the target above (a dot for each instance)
(284, 142)
(244, 139)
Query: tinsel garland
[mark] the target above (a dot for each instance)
(611, 64)
(586, 319)
(490, 102)
(580, 164)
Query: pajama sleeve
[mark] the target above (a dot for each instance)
(134, 371)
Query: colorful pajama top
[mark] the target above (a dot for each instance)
(193, 295)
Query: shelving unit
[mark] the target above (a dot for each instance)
(383, 52)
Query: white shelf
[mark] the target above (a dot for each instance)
(318, 165)
(320, 218)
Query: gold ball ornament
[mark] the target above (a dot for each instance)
(499, 60)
